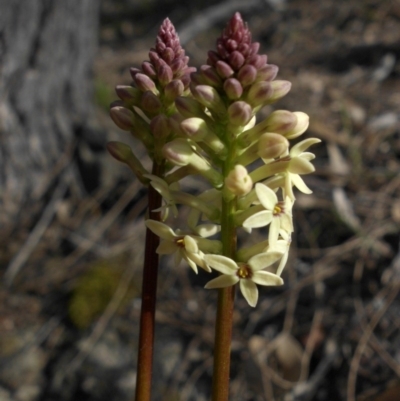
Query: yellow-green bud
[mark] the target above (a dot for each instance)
(238, 181)
(195, 128)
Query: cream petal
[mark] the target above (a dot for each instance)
(161, 229)
(198, 258)
(207, 230)
(190, 244)
(190, 262)
(308, 156)
(166, 248)
(282, 263)
(274, 230)
(302, 146)
(266, 278)
(263, 260)
(286, 222)
(249, 291)
(298, 165)
(221, 263)
(222, 281)
(299, 183)
(288, 189)
(260, 219)
(266, 196)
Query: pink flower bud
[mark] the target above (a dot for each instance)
(165, 74)
(149, 70)
(257, 60)
(133, 72)
(159, 126)
(233, 88)
(144, 83)
(196, 78)
(239, 113)
(119, 151)
(236, 60)
(128, 94)
(174, 89)
(210, 75)
(189, 107)
(247, 75)
(168, 55)
(259, 93)
(224, 70)
(280, 89)
(213, 58)
(151, 103)
(122, 117)
(177, 65)
(209, 98)
(281, 121)
(154, 57)
(271, 145)
(267, 73)
(123, 153)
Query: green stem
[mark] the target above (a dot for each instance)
(149, 294)
(226, 296)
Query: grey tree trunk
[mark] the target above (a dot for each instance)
(46, 55)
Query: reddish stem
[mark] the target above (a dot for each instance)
(149, 295)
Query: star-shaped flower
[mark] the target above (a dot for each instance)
(299, 164)
(247, 274)
(277, 214)
(183, 245)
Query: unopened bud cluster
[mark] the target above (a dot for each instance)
(204, 123)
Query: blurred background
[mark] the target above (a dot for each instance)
(71, 218)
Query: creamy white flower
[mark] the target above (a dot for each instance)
(246, 274)
(165, 190)
(184, 246)
(299, 164)
(277, 214)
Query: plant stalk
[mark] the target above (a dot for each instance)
(149, 295)
(226, 296)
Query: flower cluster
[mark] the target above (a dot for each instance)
(204, 123)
